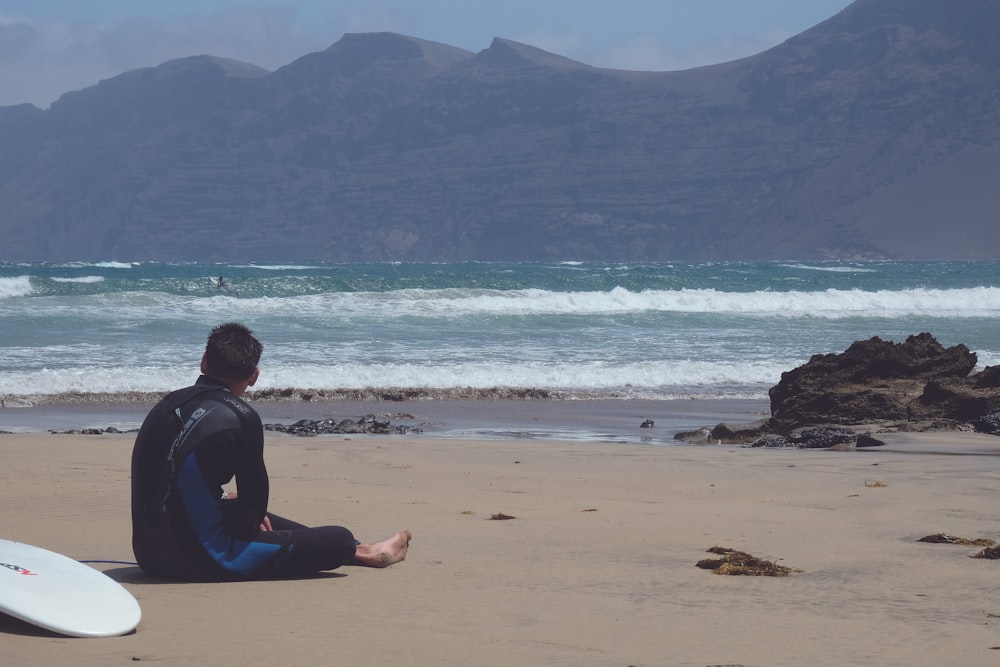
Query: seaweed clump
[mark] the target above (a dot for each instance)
(990, 553)
(738, 563)
(944, 538)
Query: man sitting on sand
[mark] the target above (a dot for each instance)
(197, 439)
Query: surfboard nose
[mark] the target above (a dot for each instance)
(57, 593)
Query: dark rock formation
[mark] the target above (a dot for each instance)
(331, 426)
(304, 427)
(819, 437)
(93, 431)
(876, 380)
(835, 400)
(988, 423)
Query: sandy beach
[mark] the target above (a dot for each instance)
(596, 568)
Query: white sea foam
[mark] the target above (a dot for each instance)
(988, 359)
(90, 380)
(649, 378)
(594, 376)
(81, 279)
(102, 265)
(116, 265)
(976, 302)
(832, 269)
(706, 379)
(979, 301)
(139, 331)
(276, 267)
(828, 304)
(14, 287)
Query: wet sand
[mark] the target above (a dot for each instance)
(599, 420)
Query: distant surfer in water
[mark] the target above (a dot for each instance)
(184, 526)
(221, 283)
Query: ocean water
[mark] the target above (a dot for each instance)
(584, 329)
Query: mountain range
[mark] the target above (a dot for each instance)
(873, 135)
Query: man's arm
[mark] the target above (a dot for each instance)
(251, 475)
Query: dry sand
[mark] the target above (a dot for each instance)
(597, 568)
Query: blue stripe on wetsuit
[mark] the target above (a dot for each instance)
(205, 515)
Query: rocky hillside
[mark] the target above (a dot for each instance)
(874, 134)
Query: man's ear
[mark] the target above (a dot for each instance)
(253, 378)
(203, 364)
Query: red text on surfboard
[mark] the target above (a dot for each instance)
(19, 569)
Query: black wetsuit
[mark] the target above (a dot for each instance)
(192, 442)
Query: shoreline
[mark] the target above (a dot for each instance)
(593, 420)
(293, 395)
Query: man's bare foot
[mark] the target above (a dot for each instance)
(385, 553)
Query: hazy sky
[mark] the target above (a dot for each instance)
(48, 47)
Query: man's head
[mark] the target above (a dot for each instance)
(232, 354)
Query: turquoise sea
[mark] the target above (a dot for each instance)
(584, 329)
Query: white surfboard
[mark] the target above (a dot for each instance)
(60, 594)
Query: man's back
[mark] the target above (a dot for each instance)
(191, 443)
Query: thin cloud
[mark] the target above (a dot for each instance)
(648, 53)
(567, 45)
(377, 19)
(651, 54)
(39, 61)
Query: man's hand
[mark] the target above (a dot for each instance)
(265, 525)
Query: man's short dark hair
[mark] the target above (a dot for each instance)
(232, 353)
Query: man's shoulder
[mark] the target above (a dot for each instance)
(190, 399)
(179, 397)
(238, 405)
(219, 396)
